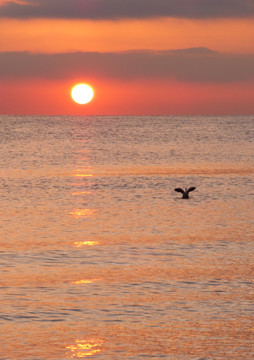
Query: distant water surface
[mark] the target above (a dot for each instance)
(101, 259)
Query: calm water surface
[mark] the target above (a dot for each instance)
(101, 259)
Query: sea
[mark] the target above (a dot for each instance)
(100, 258)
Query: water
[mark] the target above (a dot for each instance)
(100, 257)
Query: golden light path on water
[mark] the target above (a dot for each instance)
(85, 348)
(86, 243)
(85, 281)
(78, 193)
(85, 213)
(100, 258)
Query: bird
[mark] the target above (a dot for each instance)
(185, 192)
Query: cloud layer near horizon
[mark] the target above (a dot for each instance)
(190, 65)
(116, 9)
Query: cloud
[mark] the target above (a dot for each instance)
(116, 9)
(191, 65)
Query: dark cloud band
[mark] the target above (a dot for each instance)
(190, 65)
(116, 9)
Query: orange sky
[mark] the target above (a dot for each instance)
(133, 97)
(118, 94)
(226, 35)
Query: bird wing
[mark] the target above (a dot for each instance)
(179, 190)
(191, 189)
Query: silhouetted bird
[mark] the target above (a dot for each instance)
(185, 192)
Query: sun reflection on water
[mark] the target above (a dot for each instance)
(85, 243)
(83, 175)
(83, 172)
(85, 281)
(81, 192)
(84, 348)
(79, 282)
(83, 213)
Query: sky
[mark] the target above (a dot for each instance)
(141, 56)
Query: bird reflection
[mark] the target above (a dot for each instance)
(185, 192)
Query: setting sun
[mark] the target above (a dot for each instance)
(82, 93)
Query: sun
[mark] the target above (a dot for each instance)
(82, 93)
